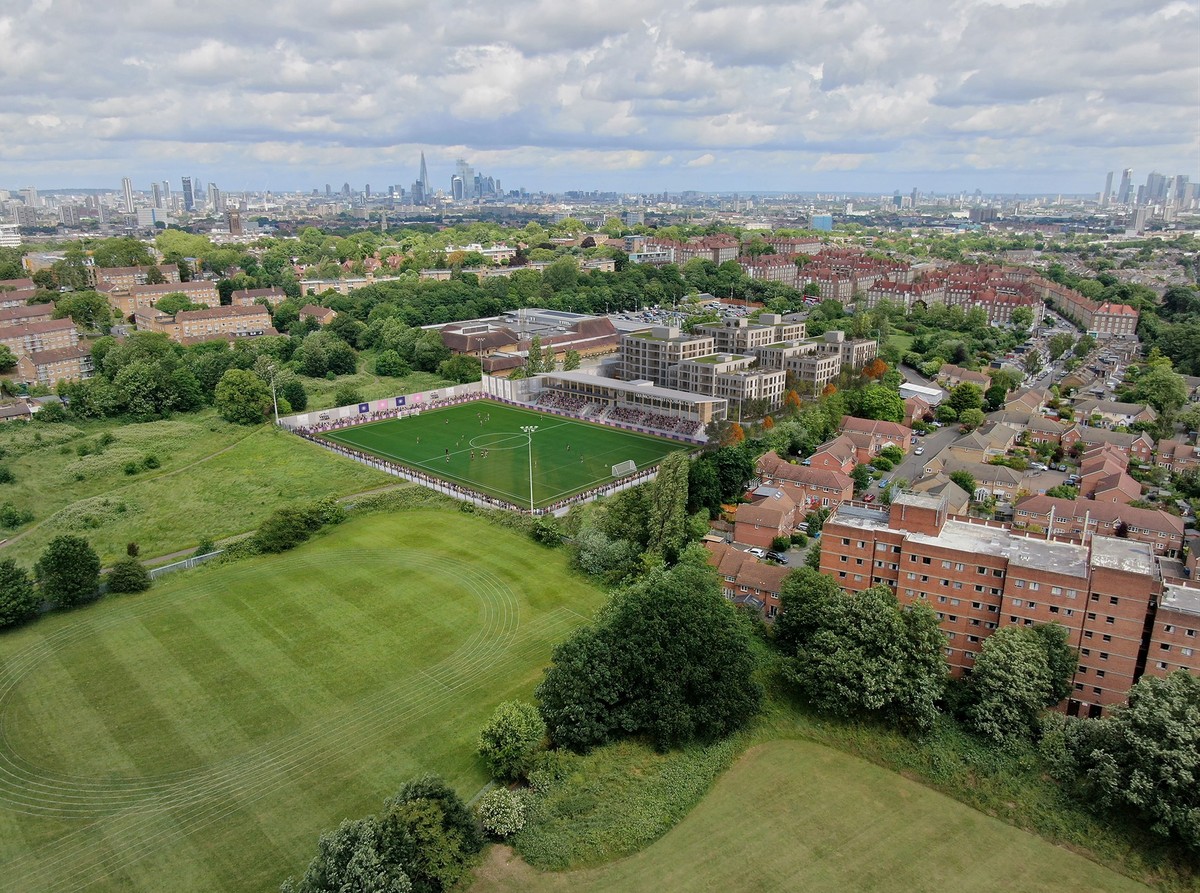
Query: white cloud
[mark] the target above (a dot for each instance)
(789, 94)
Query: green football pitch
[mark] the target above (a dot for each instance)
(483, 446)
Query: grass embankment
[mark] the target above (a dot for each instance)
(201, 735)
(617, 802)
(212, 479)
(794, 815)
(369, 386)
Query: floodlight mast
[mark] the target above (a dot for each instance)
(529, 429)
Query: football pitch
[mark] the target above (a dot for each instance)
(484, 446)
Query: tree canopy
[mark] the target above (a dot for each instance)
(667, 658)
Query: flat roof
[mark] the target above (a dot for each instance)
(630, 387)
(1122, 555)
(1181, 598)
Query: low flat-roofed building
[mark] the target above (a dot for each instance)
(204, 325)
(247, 297)
(638, 396)
(1175, 641)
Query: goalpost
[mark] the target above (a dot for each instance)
(624, 468)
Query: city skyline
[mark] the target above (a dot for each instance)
(620, 96)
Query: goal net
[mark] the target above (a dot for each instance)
(623, 468)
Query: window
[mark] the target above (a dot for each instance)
(1097, 690)
(957, 585)
(911, 575)
(958, 566)
(1109, 620)
(1099, 674)
(1162, 664)
(1053, 609)
(1191, 632)
(927, 560)
(978, 606)
(1112, 600)
(1056, 590)
(843, 559)
(1106, 637)
(1168, 628)
(1091, 616)
(945, 564)
(954, 602)
(1085, 651)
(1017, 602)
(1035, 586)
(1186, 652)
(942, 599)
(1020, 584)
(1104, 655)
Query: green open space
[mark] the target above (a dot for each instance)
(901, 341)
(212, 479)
(795, 815)
(481, 445)
(201, 735)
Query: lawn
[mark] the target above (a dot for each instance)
(213, 480)
(901, 341)
(201, 735)
(481, 445)
(795, 815)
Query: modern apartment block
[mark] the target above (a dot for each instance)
(730, 377)
(981, 575)
(655, 355)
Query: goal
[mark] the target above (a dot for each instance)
(623, 468)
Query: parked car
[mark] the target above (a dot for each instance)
(777, 556)
(919, 451)
(870, 497)
(757, 552)
(1040, 466)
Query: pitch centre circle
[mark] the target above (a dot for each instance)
(510, 441)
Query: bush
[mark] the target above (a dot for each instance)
(204, 547)
(346, 394)
(781, 543)
(800, 540)
(132, 468)
(427, 829)
(546, 531)
(510, 738)
(502, 812)
(128, 575)
(290, 526)
(6, 475)
(151, 461)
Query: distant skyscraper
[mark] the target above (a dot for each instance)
(346, 189)
(216, 202)
(423, 179)
(465, 173)
(1107, 193)
(328, 191)
(156, 195)
(127, 192)
(29, 193)
(457, 188)
(189, 199)
(166, 191)
(1123, 194)
(1156, 188)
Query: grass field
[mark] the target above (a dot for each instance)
(794, 815)
(200, 736)
(901, 340)
(214, 480)
(480, 445)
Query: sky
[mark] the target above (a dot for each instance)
(865, 96)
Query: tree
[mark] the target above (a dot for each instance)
(945, 413)
(875, 369)
(426, 828)
(877, 402)
(510, 738)
(861, 478)
(18, 600)
(667, 658)
(668, 507)
(1063, 491)
(533, 360)
(965, 480)
(704, 488)
(971, 418)
(68, 572)
(502, 812)
(1022, 318)
(461, 368)
(571, 361)
(1146, 755)
(241, 397)
(1059, 344)
(735, 467)
(349, 859)
(994, 398)
(1019, 671)
(1162, 388)
(87, 309)
(1033, 363)
(8, 359)
(861, 653)
(965, 396)
(128, 575)
(176, 302)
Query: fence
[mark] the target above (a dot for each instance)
(195, 560)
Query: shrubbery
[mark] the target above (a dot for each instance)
(292, 525)
(18, 599)
(502, 812)
(128, 575)
(510, 738)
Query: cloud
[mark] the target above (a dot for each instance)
(623, 94)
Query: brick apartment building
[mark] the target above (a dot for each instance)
(51, 334)
(128, 301)
(125, 278)
(248, 297)
(1079, 518)
(216, 322)
(772, 513)
(49, 367)
(747, 581)
(24, 314)
(809, 487)
(979, 576)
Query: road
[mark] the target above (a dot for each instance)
(910, 468)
